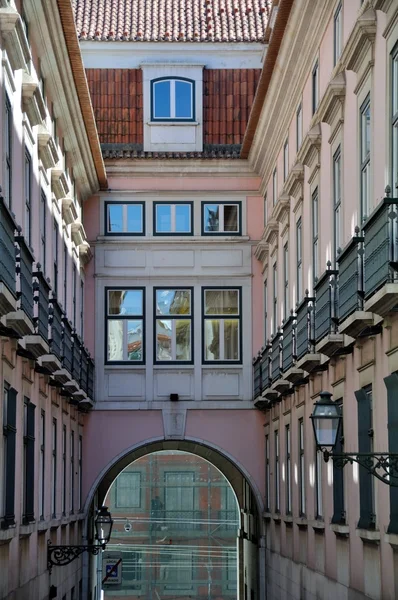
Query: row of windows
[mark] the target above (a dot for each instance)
(128, 218)
(69, 463)
(173, 325)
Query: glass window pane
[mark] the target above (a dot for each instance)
(183, 218)
(173, 302)
(134, 340)
(212, 339)
(212, 217)
(183, 339)
(183, 96)
(125, 302)
(162, 99)
(163, 337)
(134, 218)
(163, 218)
(231, 339)
(115, 339)
(230, 217)
(115, 218)
(221, 302)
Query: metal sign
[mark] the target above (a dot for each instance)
(112, 571)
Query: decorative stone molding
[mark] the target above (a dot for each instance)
(48, 152)
(59, 183)
(383, 5)
(294, 183)
(261, 252)
(331, 107)
(69, 212)
(14, 37)
(85, 253)
(32, 100)
(310, 148)
(281, 212)
(174, 423)
(360, 41)
(78, 233)
(271, 230)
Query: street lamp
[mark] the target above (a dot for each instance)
(60, 556)
(326, 420)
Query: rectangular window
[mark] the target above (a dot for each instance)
(221, 218)
(222, 325)
(315, 231)
(80, 473)
(8, 128)
(65, 277)
(315, 87)
(179, 573)
(125, 325)
(299, 127)
(28, 462)
(63, 504)
(128, 490)
(55, 256)
(275, 299)
(172, 218)
(301, 468)
(286, 282)
(173, 99)
(365, 158)
(43, 218)
(82, 309)
(367, 518)
(337, 34)
(338, 477)
(9, 450)
(54, 469)
(394, 118)
(28, 197)
(265, 210)
(285, 160)
(277, 473)
(127, 218)
(299, 270)
(173, 325)
(72, 472)
(337, 221)
(179, 493)
(74, 290)
(265, 311)
(318, 484)
(274, 187)
(267, 475)
(42, 466)
(288, 471)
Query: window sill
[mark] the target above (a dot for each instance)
(276, 517)
(27, 530)
(172, 123)
(340, 530)
(369, 535)
(392, 539)
(301, 522)
(318, 525)
(267, 516)
(6, 535)
(288, 519)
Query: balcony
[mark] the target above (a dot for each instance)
(327, 339)
(37, 343)
(291, 373)
(52, 362)
(307, 359)
(21, 320)
(64, 375)
(262, 379)
(381, 258)
(8, 292)
(279, 384)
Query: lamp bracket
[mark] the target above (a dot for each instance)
(382, 465)
(60, 556)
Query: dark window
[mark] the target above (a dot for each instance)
(299, 127)
(54, 469)
(392, 422)
(173, 325)
(173, 218)
(28, 197)
(9, 439)
(318, 484)
(28, 461)
(337, 34)
(65, 277)
(365, 158)
(299, 270)
(265, 311)
(338, 478)
(275, 298)
(337, 202)
(315, 239)
(8, 152)
(265, 210)
(43, 218)
(74, 286)
(301, 467)
(394, 117)
(315, 87)
(277, 472)
(42, 476)
(55, 256)
(82, 309)
(285, 160)
(367, 517)
(288, 471)
(286, 281)
(127, 218)
(222, 325)
(125, 325)
(274, 187)
(267, 475)
(128, 490)
(172, 99)
(223, 218)
(80, 473)
(72, 471)
(63, 469)
(179, 498)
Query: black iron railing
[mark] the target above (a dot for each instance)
(305, 326)
(289, 343)
(276, 356)
(84, 370)
(325, 304)
(67, 345)
(76, 357)
(90, 378)
(24, 270)
(41, 297)
(350, 261)
(265, 368)
(381, 246)
(7, 247)
(257, 376)
(56, 315)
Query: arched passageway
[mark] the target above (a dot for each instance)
(244, 545)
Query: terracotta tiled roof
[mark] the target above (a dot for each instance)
(171, 20)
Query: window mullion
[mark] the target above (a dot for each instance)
(221, 217)
(124, 218)
(173, 218)
(172, 98)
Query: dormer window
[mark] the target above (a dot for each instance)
(172, 99)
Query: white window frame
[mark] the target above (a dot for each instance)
(315, 87)
(288, 469)
(125, 231)
(172, 116)
(365, 161)
(299, 263)
(337, 33)
(301, 448)
(174, 318)
(173, 206)
(394, 118)
(222, 318)
(315, 232)
(221, 206)
(337, 220)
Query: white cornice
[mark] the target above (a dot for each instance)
(164, 168)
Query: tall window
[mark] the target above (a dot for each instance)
(72, 471)
(265, 310)
(286, 281)
(367, 518)
(318, 484)
(8, 152)
(63, 469)
(275, 299)
(285, 160)
(222, 325)
(28, 197)
(179, 497)
(277, 473)
(299, 268)
(28, 462)
(9, 447)
(299, 126)
(43, 218)
(172, 99)
(288, 471)
(274, 187)
(55, 256)
(267, 475)
(82, 309)
(337, 34)
(336, 202)
(365, 158)
(80, 472)
(128, 490)
(74, 286)
(315, 87)
(54, 442)
(315, 232)
(394, 118)
(173, 325)
(301, 468)
(265, 210)
(65, 277)
(338, 477)
(42, 467)
(125, 325)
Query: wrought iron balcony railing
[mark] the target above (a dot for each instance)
(84, 370)
(67, 345)
(257, 376)
(350, 261)
(24, 270)
(325, 304)
(90, 378)
(276, 356)
(305, 326)
(76, 357)
(7, 247)
(289, 343)
(266, 367)
(41, 297)
(56, 314)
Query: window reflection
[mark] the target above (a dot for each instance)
(125, 335)
(221, 218)
(125, 218)
(221, 332)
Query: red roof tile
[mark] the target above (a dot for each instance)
(171, 20)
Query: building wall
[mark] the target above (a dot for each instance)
(312, 552)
